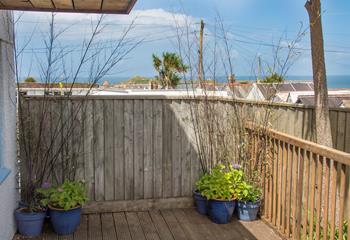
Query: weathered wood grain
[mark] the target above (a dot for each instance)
(78, 138)
(157, 124)
(148, 161)
(176, 150)
(121, 226)
(95, 230)
(119, 157)
(129, 149)
(108, 228)
(161, 225)
(88, 149)
(134, 226)
(167, 150)
(82, 231)
(147, 225)
(109, 169)
(173, 225)
(99, 153)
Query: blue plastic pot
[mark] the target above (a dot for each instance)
(248, 211)
(221, 212)
(29, 224)
(65, 222)
(201, 203)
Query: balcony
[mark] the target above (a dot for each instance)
(140, 161)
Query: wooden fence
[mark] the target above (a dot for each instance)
(125, 149)
(305, 187)
(136, 152)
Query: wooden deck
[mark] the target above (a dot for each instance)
(179, 224)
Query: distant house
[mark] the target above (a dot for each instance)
(279, 92)
(334, 101)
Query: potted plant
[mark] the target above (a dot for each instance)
(64, 203)
(220, 193)
(248, 202)
(30, 219)
(30, 214)
(200, 200)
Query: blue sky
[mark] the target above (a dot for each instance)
(259, 22)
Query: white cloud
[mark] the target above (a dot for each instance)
(151, 22)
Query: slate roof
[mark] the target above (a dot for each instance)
(333, 100)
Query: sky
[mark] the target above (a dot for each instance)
(252, 27)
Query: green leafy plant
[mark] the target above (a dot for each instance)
(30, 80)
(203, 183)
(221, 183)
(248, 193)
(169, 68)
(274, 78)
(336, 234)
(69, 195)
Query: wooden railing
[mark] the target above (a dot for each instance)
(305, 186)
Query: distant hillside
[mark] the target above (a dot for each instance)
(139, 80)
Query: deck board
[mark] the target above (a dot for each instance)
(121, 226)
(173, 224)
(148, 226)
(135, 226)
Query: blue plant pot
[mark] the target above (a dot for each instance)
(65, 222)
(29, 224)
(248, 211)
(201, 203)
(221, 212)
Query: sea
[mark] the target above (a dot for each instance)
(333, 81)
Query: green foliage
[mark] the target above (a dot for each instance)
(221, 183)
(66, 196)
(139, 80)
(248, 193)
(30, 80)
(274, 78)
(168, 69)
(336, 237)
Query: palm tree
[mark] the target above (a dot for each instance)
(168, 69)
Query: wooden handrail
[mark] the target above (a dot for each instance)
(331, 153)
(304, 185)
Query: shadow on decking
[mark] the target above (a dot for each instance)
(176, 224)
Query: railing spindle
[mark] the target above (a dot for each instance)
(284, 183)
(333, 199)
(300, 193)
(279, 185)
(312, 194)
(319, 195)
(271, 181)
(306, 194)
(275, 172)
(348, 173)
(295, 188)
(342, 199)
(326, 198)
(289, 183)
(267, 180)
